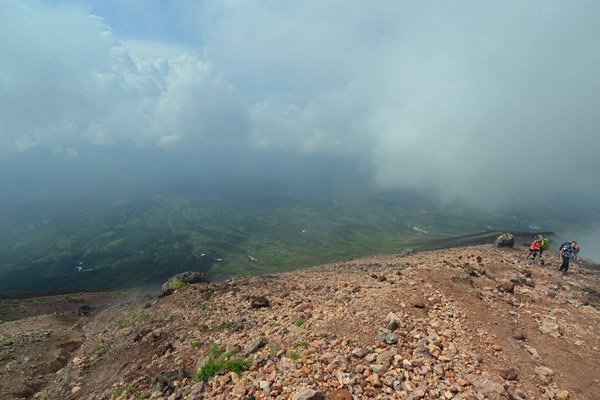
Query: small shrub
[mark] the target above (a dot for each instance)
(294, 356)
(215, 367)
(177, 284)
(299, 322)
(202, 306)
(196, 344)
(300, 345)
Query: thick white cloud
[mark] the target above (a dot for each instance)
(67, 80)
(485, 101)
(480, 101)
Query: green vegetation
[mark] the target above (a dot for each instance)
(220, 361)
(177, 284)
(196, 344)
(299, 322)
(300, 345)
(129, 243)
(215, 352)
(5, 354)
(117, 392)
(226, 325)
(131, 390)
(294, 356)
(215, 367)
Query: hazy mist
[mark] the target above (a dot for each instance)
(490, 104)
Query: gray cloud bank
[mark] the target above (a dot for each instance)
(484, 102)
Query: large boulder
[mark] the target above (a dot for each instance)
(181, 280)
(505, 240)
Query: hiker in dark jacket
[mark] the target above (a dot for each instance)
(568, 251)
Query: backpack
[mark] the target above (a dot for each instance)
(545, 244)
(562, 246)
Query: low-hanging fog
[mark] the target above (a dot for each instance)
(489, 104)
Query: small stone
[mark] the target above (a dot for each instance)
(505, 287)
(308, 394)
(303, 307)
(391, 338)
(509, 374)
(418, 304)
(341, 395)
(254, 346)
(75, 389)
(496, 347)
(374, 380)
(264, 386)
(393, 321)
(259, 302)
(550, 327)
(519, 334)
(544, 373)
(240, 388)
(533, 352)
(562, 395)
(359, 352)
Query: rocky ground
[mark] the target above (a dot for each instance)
(466, 323)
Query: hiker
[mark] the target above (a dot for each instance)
(536, 248)
(545, 245)
(505, 240)
(567, 251)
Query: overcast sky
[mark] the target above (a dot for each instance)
(482, 101)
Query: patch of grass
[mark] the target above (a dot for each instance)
(5, 356)
(214, 351)
(203, 306)
(131, 389)
(196, 344)
(219, 361)
(117, 392)
(226, 325)
(300, 345)
(120, 322)
(97, 348)
(299, 322)
(215, 367)
(177, 284)
(294, 356)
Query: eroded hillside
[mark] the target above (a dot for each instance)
(469, 323)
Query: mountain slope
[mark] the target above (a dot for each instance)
(473, 322)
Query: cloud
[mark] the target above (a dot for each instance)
(490, 103)
(69, 81)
